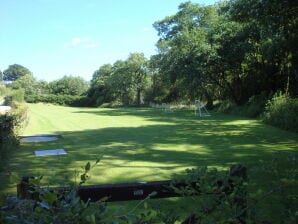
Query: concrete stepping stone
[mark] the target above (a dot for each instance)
(40, 138)
(50, 152)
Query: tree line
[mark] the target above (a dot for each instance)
(233, 50)
(20, 77)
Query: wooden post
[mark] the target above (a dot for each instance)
(114, 192)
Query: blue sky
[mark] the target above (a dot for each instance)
(54, 38)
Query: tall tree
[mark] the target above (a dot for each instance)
(137, 68)
(202, 52)
(120, 82)
(99, 91)
(273, 27)
(104, 71)
(15, 71)
(124, 81)
(184, 50)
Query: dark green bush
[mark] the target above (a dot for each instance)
(13, 96)
(79, 101)
(10, 125)
(226, 106)
(281, 111)
(253, 108)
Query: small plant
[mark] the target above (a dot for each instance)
(54, 207)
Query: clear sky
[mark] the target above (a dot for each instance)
(54, 38)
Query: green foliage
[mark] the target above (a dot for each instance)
(281, 111)
(27, 83)
(218, 197)
(124, 82)
(231, 51)
(276, 200)
(53, 207)
(15, 71)
(273, 32)
(11, 123)
(12, 96)
(225, 106)
(68, 100)
(254, 107)
(200, 54)
(68, 85)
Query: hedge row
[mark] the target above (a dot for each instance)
(281, 111)
(11, 123)
(69, 100)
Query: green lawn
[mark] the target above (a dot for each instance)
(142, 144)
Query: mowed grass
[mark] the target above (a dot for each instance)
(141, 144)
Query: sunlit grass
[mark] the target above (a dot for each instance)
(141, 144)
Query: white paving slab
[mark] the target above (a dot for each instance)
(50, 152)
(38, 139)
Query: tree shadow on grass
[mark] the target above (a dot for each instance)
(155, 152)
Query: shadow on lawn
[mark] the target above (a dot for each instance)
(147, 113)
(183, 141)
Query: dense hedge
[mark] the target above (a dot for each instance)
(11, 122)
(12, 96)
(281, 111)
(69, 100)
(253, 108)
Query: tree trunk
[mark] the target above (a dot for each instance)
(138, 97)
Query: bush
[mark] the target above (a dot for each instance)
(281, 111)
(254, 107)
(13, 96)
(79, 101)
(226, 106)
(10, 125)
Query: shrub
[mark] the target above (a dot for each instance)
(10, 125)
(226, 106)
(281, 111)
(254, 107)
(13, 96)
(69, 100)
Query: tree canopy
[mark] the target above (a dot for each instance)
(233, 50)
(68, 85)
(26, 82)
(15, 71)
(124, 81)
